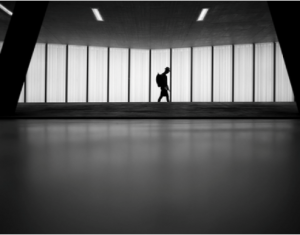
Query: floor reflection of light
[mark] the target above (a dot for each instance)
(149, 169)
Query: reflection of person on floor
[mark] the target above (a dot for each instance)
(164, 85)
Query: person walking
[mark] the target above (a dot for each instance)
(162, 82)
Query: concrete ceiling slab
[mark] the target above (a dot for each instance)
(153, 25)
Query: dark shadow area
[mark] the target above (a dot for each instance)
(157, 110)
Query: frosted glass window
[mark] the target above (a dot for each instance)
(118, 75)
(56, 73)
(243, 73)
(181, 75)
(264, 72)
(222, 81)
(97, 74)
(160, 59)
(35, 82)
(77, 73)
(139, 75)
(284, 92)
(202, 77)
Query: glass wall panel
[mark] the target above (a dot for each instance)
(202, 68)
(118, 75)
(243, 73)
(222, 81)
(284, 92)
(56, 73)
(35, 81)
(264, 72)
(139, 75)
(97, 74)
(77, 73)
(160, 59)
(181, 75)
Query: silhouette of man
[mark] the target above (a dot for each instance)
(164, 88)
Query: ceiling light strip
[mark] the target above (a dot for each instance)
(202, 14)
(6, 10)
(97, 14)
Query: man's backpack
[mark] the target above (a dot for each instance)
(159, 80)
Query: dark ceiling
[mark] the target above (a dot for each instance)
(153, 24)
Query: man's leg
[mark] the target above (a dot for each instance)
(168, 98)
(159, 99)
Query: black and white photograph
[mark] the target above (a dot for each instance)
(149, 117)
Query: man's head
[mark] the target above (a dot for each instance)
(167, 70)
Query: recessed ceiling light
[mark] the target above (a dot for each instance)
(5, 9)
(97, 14)
(202, 14)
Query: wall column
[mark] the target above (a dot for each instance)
(288, 41)
(14, 68)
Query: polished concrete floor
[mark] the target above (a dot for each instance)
(146, 110)
(150, 176)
